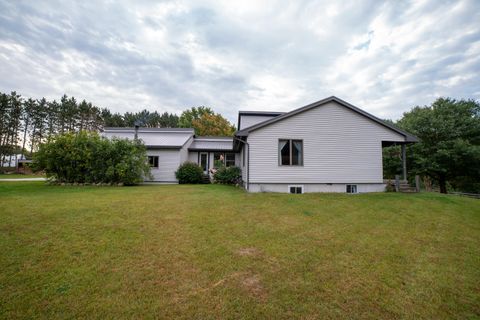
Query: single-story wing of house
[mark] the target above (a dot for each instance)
(326, 146)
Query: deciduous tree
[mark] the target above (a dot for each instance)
(449, 147)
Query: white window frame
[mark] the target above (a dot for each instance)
(290, 143)
(351, 185)
(296, 186)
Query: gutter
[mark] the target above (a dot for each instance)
(248, 160)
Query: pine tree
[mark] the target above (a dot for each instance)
(52, 116)
(4, 122)
(28, 111)
(39, 123)
(14, 125)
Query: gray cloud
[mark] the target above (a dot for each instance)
(128, 55)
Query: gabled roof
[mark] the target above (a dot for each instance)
(244, 132)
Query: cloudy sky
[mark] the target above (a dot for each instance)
(241, 55)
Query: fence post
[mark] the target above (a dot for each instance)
(417, 183)
(397, 183)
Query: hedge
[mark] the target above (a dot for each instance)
(86, 157)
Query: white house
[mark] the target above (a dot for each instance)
(11, 161)
(326, 146)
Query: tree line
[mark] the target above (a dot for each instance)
(25, 123)
(448, 153)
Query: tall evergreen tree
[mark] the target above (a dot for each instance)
(28, 113)
(40, 118)
(4, 122)
(52, 116)
(14, 124)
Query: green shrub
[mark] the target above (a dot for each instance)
(85, 157)
(228, 175)
(189, 172)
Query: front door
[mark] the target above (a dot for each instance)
(204, 161)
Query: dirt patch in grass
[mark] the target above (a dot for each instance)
(252, 284)
(248, 252)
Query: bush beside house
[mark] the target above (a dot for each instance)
(85, 157)
(189, 172)
(227, 175)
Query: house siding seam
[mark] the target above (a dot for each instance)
(340, 146)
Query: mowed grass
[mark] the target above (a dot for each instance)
(20, 176)
(209, 251)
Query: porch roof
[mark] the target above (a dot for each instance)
(212, 144)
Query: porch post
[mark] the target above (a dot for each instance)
(404, 161)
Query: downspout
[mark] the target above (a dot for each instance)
(136, 132)
(248, 160)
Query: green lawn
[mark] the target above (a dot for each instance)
(19, 176)
(208, 251)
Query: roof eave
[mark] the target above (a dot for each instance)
(211, 150)
(162, 147)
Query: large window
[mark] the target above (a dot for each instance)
(290, 152)
(227, 159)
(153, 161)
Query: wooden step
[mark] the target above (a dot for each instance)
(407, 189)
(206, 179)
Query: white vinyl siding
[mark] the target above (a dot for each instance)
(248, 121)
(168, 162)
(184, 154)
(192, 156)
(339, 146)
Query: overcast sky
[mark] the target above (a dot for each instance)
(241, 55)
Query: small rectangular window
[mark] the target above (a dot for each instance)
(153, 161)
(290, 152)
(351, 188)
(295, 189)
(230, 159)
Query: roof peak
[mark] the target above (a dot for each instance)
(244, 132)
